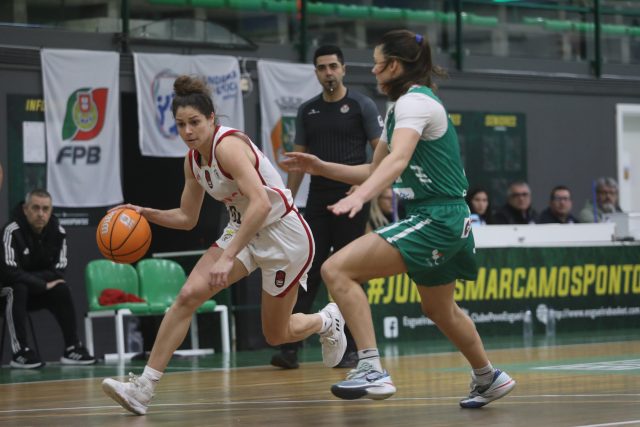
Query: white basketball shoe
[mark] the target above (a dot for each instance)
(334, 341)
(134, 395)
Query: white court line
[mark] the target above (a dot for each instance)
(621, 423)
(316, 401)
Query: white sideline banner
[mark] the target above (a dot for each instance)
(82, 98)
(155, 74)
(283, 88)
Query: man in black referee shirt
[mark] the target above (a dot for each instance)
(336, 126)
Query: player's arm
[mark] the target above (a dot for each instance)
(294, 178)
(404, 142)
(387, 166)
(237, 158)
(308, 163)
(381, 151)
(186, 216)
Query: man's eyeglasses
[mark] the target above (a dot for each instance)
(561, 198)
(514, 195)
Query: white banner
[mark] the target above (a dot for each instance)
(283, 87)
(155, 74)
(81, 94)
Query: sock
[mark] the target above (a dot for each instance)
(371, 356)
(326, 322)
(152, 375)
(484, 376)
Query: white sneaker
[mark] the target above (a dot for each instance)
(364, 381)
(481, 395)
(134, 396)
(334, 341)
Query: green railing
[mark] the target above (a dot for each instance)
(596, 29)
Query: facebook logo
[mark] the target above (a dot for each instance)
(391, 327)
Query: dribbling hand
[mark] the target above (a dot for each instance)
(136, 208)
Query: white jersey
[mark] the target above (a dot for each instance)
(221, 186)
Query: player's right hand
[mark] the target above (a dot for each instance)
(296, 161)
(136, 208)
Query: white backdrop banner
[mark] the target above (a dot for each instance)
(283, 87)
(81, 94)
(155, 74)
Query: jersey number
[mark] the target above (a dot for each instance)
(235, 215)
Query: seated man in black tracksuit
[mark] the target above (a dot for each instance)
(33, 258)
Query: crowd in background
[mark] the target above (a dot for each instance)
(519, 210)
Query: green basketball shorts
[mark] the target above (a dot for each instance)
(436, 243)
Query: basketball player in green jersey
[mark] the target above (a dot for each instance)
(419, 155)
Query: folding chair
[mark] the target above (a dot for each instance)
(104, 274)
(160, 283)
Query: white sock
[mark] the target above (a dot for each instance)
(152, 375)
(484, 375)
(371, 356)
(326, 322)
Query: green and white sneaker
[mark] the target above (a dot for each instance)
(481, 395)
(134, 395)
(334, 341)
(364, 381)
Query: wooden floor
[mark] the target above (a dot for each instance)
(594, 384)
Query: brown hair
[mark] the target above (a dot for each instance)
(192, 92)
(414, 52)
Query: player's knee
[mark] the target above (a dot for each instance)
(330, 273)
(187, 299)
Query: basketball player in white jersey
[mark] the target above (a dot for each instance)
(265, 231)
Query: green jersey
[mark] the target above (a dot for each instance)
(435, 171)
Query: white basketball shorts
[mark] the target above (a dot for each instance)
(283, 251)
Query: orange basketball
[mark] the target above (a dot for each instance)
(123, 236)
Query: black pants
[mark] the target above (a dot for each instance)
(331, 233)
(57, 300)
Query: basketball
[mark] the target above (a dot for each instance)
(123, 236)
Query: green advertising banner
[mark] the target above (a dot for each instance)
(581, 287)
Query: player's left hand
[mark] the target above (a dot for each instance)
(351, 205)
(219, 273)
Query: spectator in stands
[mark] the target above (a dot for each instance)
(559, 210)
(480, 206)
(33, 259)
(605, 199)
(385, 209)
(518, 208)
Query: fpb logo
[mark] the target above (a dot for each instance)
(84, 118)
(391, 327)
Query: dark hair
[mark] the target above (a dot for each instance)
(328, 50)
(37, 192)
(517, 184)
(192, 92)
(414, 52)
(488, 215)
(556, 188)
